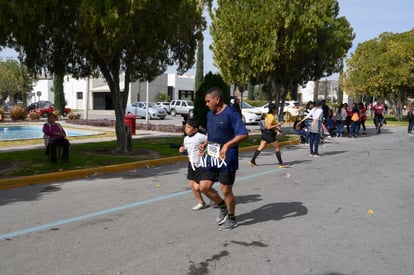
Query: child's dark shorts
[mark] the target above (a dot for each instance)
(194, 174)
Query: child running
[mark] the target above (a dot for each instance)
(191, 143)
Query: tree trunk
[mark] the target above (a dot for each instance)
(199, 65)
(123, 137)
(316, 91)
(59, 96)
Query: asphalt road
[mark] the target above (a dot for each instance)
(348, 212)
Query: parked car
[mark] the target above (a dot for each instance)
(181, 107)
(47, 108)
(6, 106)
(165, 105)
(250, 115)
(292, 108)
(39, 104)
(139, 108)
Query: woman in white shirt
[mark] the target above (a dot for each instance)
(315, 128)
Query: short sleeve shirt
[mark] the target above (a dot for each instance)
(270, 118)
(221, 128)
(378, 109)
(191, 144)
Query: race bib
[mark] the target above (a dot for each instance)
(213, 150)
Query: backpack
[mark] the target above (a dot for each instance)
(355, 117)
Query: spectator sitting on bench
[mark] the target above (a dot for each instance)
(55, 136)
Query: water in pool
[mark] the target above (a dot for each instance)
(15, 132)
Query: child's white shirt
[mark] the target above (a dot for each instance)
(191, 144)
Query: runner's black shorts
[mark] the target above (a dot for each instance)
(194, 174)
(214, 175)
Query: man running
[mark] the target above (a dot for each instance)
(225, 130)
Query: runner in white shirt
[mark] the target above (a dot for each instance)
(191, 144)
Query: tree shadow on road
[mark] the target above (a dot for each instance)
(273, 211)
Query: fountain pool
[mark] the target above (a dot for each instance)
(21, 132)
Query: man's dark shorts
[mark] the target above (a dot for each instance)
(225, 178)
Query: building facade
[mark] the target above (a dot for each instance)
(94, 93)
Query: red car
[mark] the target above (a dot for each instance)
(49, 108)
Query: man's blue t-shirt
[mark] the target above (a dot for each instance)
(222, 128)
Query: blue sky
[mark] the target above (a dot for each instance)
(368, 18)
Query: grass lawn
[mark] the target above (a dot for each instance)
(96, 154)
(88, 155)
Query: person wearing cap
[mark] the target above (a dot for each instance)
(272, 128)
(315, 129)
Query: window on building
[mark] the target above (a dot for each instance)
(186, 95)
(170, 92)
(79, 95)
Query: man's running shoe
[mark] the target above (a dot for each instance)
(222, 216)
(228, 225)
(252, 163)
(283, 165)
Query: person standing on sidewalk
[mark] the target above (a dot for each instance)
(341, 116)
(410, 116)
(363, 112)
(192, 141)
(225, 130)
(348, 110)
(355, 121)
(272, 128)
(315, 128)
(308, 122)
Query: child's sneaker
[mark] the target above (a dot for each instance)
(283, 165)
(199, 206)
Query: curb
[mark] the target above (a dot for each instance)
(96, 171)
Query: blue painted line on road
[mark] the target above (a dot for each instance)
(115, 209)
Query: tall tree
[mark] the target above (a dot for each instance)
(122, 39)
(11, 81)
(383, 66)
(295, 42)
(41, 31)
(200, 48)
(211, 80)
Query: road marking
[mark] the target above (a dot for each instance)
(116, 209)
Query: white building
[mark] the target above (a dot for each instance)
(94, 94)
(328, 90)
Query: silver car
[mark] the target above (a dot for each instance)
(139, 109)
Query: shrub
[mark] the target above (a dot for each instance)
(210, 80)
(18, 113)
(34, 116)
(72, 116)
(94, 122)
(139, 126)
